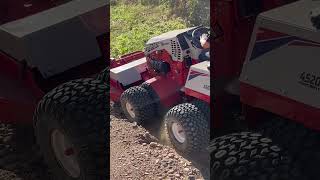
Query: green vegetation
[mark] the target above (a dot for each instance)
(134, 22)
(133, 25)
(195, 12)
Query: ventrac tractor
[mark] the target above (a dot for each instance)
(44, 46)
(265, 70)
(172, 77)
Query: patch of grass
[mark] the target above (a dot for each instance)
(133, 25)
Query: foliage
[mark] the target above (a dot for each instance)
(133, 25)
(133, 22)
(195, 12)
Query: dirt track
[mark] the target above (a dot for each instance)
(140, 153)
(136, 153)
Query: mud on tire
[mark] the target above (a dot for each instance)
(137, 105)
(78, 112)
(246, 155)
(193, 122)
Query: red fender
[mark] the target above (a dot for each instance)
(167, 90)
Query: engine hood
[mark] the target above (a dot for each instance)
(169, 35)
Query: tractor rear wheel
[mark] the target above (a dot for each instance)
(71, 130)
(188, 128)
(138, 105)
(248, 155)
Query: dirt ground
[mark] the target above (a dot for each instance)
(144, 153)
(135, 153)
(19, 160)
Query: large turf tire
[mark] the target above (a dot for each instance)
(104, 75)
(301, 143)
(195, 125)
(79, 111)
(203, 107)
(154, 96)
(250, 156)
(141, 103)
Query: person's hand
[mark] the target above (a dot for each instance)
(205, 45)
(204, 41)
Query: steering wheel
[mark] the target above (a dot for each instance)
(196, 34)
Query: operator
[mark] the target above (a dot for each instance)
(205, 44)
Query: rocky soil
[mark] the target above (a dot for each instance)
(140, 153)
(135, 153)
(19, 160)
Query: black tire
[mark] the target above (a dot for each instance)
(287, 134)
(104, 75)
(142, 105)
(203, 106)
(250, 156)
(78, 110)
(300, 142)
(195, 124)
(155, 98)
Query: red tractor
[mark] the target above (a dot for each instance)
(44, 46)
(171, 76)
(265, 70)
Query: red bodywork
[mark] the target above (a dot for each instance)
(19, 93)
(167, 90)
(197, 95)
(116, 89)
(229, 51)
(167, 87)
(21, 86)
(285, 107)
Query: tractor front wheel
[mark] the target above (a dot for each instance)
(70, 126)
(188, 128)
(138, 105)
